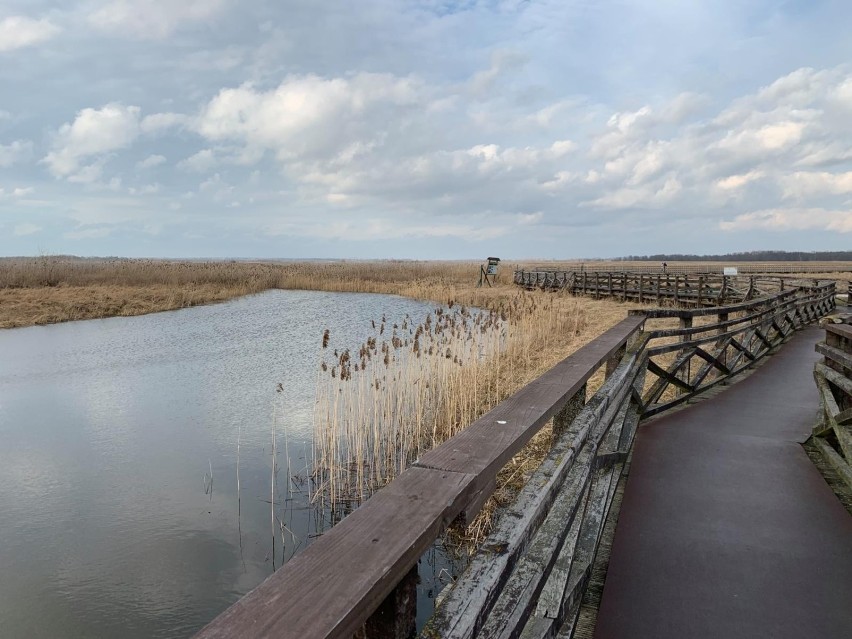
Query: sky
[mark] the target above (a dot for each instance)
(424, 129)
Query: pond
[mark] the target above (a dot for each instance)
(119, 459)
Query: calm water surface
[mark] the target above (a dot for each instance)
(110, 430)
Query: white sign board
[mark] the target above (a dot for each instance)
(729, 270)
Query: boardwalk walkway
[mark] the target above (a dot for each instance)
(726, 528)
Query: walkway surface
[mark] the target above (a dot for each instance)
(726, 528)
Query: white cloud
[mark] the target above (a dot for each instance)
(153, 19)
(159, 122)
(94, 132)
(735, 182)
(804, 184)
(307, 115)
(151, 161)
(386, 229)
(147, 189)
(200, 162)
(22, 191)
(26, 229)
(17, 151)
(792, 220)
(17, 32)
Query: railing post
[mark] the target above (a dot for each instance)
(641, 281)
(562, 420)
(723, 358)
(613, 362)
(396, 616)
(685, 372)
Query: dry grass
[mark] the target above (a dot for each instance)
(55, 289)
(412, 386)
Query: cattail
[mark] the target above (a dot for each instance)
(325, 338)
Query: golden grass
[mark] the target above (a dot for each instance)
(54, 289)
(412, 386)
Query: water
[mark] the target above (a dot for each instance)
(110, 431)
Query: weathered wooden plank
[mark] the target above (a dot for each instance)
(521, 591)
(554, 595)
(486, 445)
(842, 382)
(840, 465)
(332, 587)
(465, 607)
(835, 355)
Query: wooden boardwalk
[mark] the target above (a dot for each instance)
(719, 531)
(726, 528)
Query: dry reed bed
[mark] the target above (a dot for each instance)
(412, 386)
(55, 289)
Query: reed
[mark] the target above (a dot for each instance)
(412, 385)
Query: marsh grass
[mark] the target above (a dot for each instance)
(47, 290)
(413, 385)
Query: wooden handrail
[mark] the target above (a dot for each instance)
(333, 586)
(833, 377)
(709, 354)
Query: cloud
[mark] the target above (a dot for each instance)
(308, 115)
(17, 32)
(153, 19)
(15, 152)
(151, 161)
(26, 229)
(200, 162)
(736, 182)
(93, 133)
(161, 122)
(804, 184)
(839, 221)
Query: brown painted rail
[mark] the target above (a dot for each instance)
(530, 574)
(833, 433)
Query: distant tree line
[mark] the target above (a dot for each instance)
(749, 256)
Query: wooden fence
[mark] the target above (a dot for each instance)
(706, 289)
(359, 578)
(695, 267)
(833, 433)
(697, 354)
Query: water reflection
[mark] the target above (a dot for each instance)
(118, 459)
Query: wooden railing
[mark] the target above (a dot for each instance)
(699, 289)
(359, 577)
(332, 588)
(698, 267)
(697, 355)
(833, 433)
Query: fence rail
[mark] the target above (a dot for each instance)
(698, 267)
(705, 289)
(530, 574)
(833, 376)
(693, 357)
